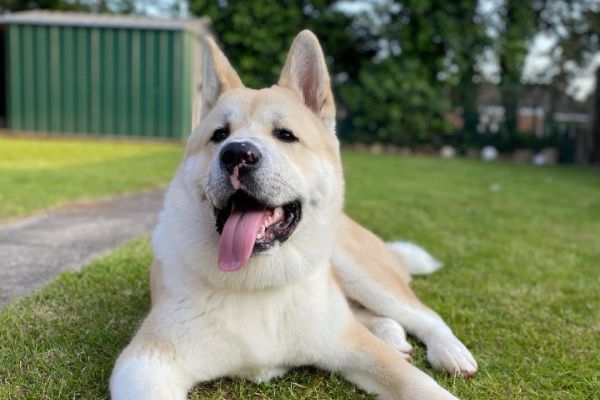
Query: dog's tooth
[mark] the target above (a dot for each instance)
(261, 232)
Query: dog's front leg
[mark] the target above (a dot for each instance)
(147, 376)
(377, 368)
(152, 368)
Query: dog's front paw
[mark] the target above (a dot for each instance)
(452, 356)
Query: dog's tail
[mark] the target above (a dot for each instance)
(418, 261)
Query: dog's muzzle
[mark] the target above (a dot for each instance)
(248, 226)
(248, 217)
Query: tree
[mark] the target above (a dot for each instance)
(399, 65)
(467, 42)
(519, 27)
(258, 34)
(574, 28)
(393, 102)
(593, 153)
(426, 50)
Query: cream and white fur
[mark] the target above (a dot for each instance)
(333, 295)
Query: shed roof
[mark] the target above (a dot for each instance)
(43, 17)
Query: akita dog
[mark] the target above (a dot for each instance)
(257, 269)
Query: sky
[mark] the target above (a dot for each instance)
(538, 60)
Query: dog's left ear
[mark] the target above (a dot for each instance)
(305, 72)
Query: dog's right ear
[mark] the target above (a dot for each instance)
(219, 76)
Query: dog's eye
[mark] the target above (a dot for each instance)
(285, 135)
(220, 134)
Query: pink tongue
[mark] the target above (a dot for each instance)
(238, 237)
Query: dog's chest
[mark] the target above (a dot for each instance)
(263, 329)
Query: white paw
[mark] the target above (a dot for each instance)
(393, 334)
(266, 375)
(452, 356)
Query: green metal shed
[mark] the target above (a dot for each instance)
(78, 73)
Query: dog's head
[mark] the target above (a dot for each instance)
(264, 166)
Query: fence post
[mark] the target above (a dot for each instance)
(594, 136)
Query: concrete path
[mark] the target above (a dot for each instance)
(35, 249)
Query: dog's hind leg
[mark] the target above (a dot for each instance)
(369, 274)
(385, 329)
(367, 361)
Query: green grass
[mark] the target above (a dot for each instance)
(521, 287)
(37, 174)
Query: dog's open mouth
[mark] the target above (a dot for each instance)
(247, 226)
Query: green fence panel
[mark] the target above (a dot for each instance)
(55, 108)
(96, 115)
(83, 81)
(14, 78)
(100, 80)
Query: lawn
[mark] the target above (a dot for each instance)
(520, 286)
(37, 174)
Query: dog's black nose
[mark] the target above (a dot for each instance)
(242, 154)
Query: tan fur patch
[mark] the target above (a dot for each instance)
(378, 360)
(376, 261)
